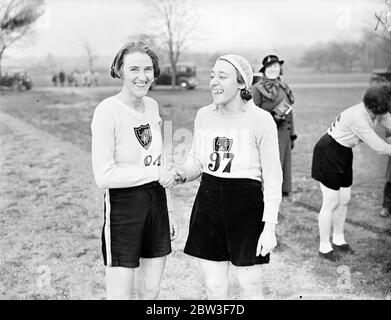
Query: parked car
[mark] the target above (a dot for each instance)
(17, 80)
(185, 75)
(380, 76)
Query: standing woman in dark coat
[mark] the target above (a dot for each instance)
(268, 93)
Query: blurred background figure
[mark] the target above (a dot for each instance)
(61, 76)
(70, 79)
(271, 94)
(54, 79)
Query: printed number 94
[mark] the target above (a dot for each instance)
(148, 160)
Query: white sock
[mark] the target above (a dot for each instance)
(339, 239)
(325, 247)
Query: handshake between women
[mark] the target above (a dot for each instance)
(170, 175)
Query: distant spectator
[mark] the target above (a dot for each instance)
(62, 78)
(95, 78)
(54, 79)
(70, 79)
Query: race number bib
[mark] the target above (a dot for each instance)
(149, 160)
(221, 158)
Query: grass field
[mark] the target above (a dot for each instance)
(51, 211)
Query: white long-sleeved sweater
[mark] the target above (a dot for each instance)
(244, 145)
(354, 125)
(126, 144)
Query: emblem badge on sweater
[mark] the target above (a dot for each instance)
(144, 135)
(221, 148)
(222, 144)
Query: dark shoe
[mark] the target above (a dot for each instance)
(285, 194)
(332, 256)
(344, 248)
(385, 212)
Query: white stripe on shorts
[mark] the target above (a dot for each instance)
(107, 229)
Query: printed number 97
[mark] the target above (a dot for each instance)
(216, 161)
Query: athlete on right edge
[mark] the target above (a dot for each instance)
(332, 163)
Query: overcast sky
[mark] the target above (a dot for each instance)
(223, 24)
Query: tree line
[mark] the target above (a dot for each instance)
(371, 51)
(346, 56)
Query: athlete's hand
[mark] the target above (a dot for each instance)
(173, 228)
(388, 139)
(170, 175)
(166, 176)
(267, 240)
(179, 174)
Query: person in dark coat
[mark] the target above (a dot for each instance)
(270, 93)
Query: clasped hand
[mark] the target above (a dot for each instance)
(170, 175)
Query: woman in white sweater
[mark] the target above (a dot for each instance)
(127, 163)
(333, 159)
(235, 151)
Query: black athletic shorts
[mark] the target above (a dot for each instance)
(135, 225)
(226, 221)
(332, 163)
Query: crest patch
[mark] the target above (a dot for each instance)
(222, 144)
(144, 135)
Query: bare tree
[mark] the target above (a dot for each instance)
(16, 20)
(383, 29)
(90, 56)
(150, 40)
(175, 22)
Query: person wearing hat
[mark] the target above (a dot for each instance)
(235, 211)
(274, 96)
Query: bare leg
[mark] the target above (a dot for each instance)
(330, 201)
(340, 216)
(215, 274)
(119, 283)
(250, 282)
(149, 276)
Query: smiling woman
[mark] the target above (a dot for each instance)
(235, 151)
(127, 162)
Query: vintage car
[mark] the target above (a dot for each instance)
(185, 75)
(16, 79)
(380, 76)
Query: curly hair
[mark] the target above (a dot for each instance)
(378, 99)
(131, 47)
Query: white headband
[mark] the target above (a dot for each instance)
(242, 65)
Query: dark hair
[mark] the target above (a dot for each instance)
(245, 94)
(378, 99)
(131, 47)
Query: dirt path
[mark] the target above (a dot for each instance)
(50, 223)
